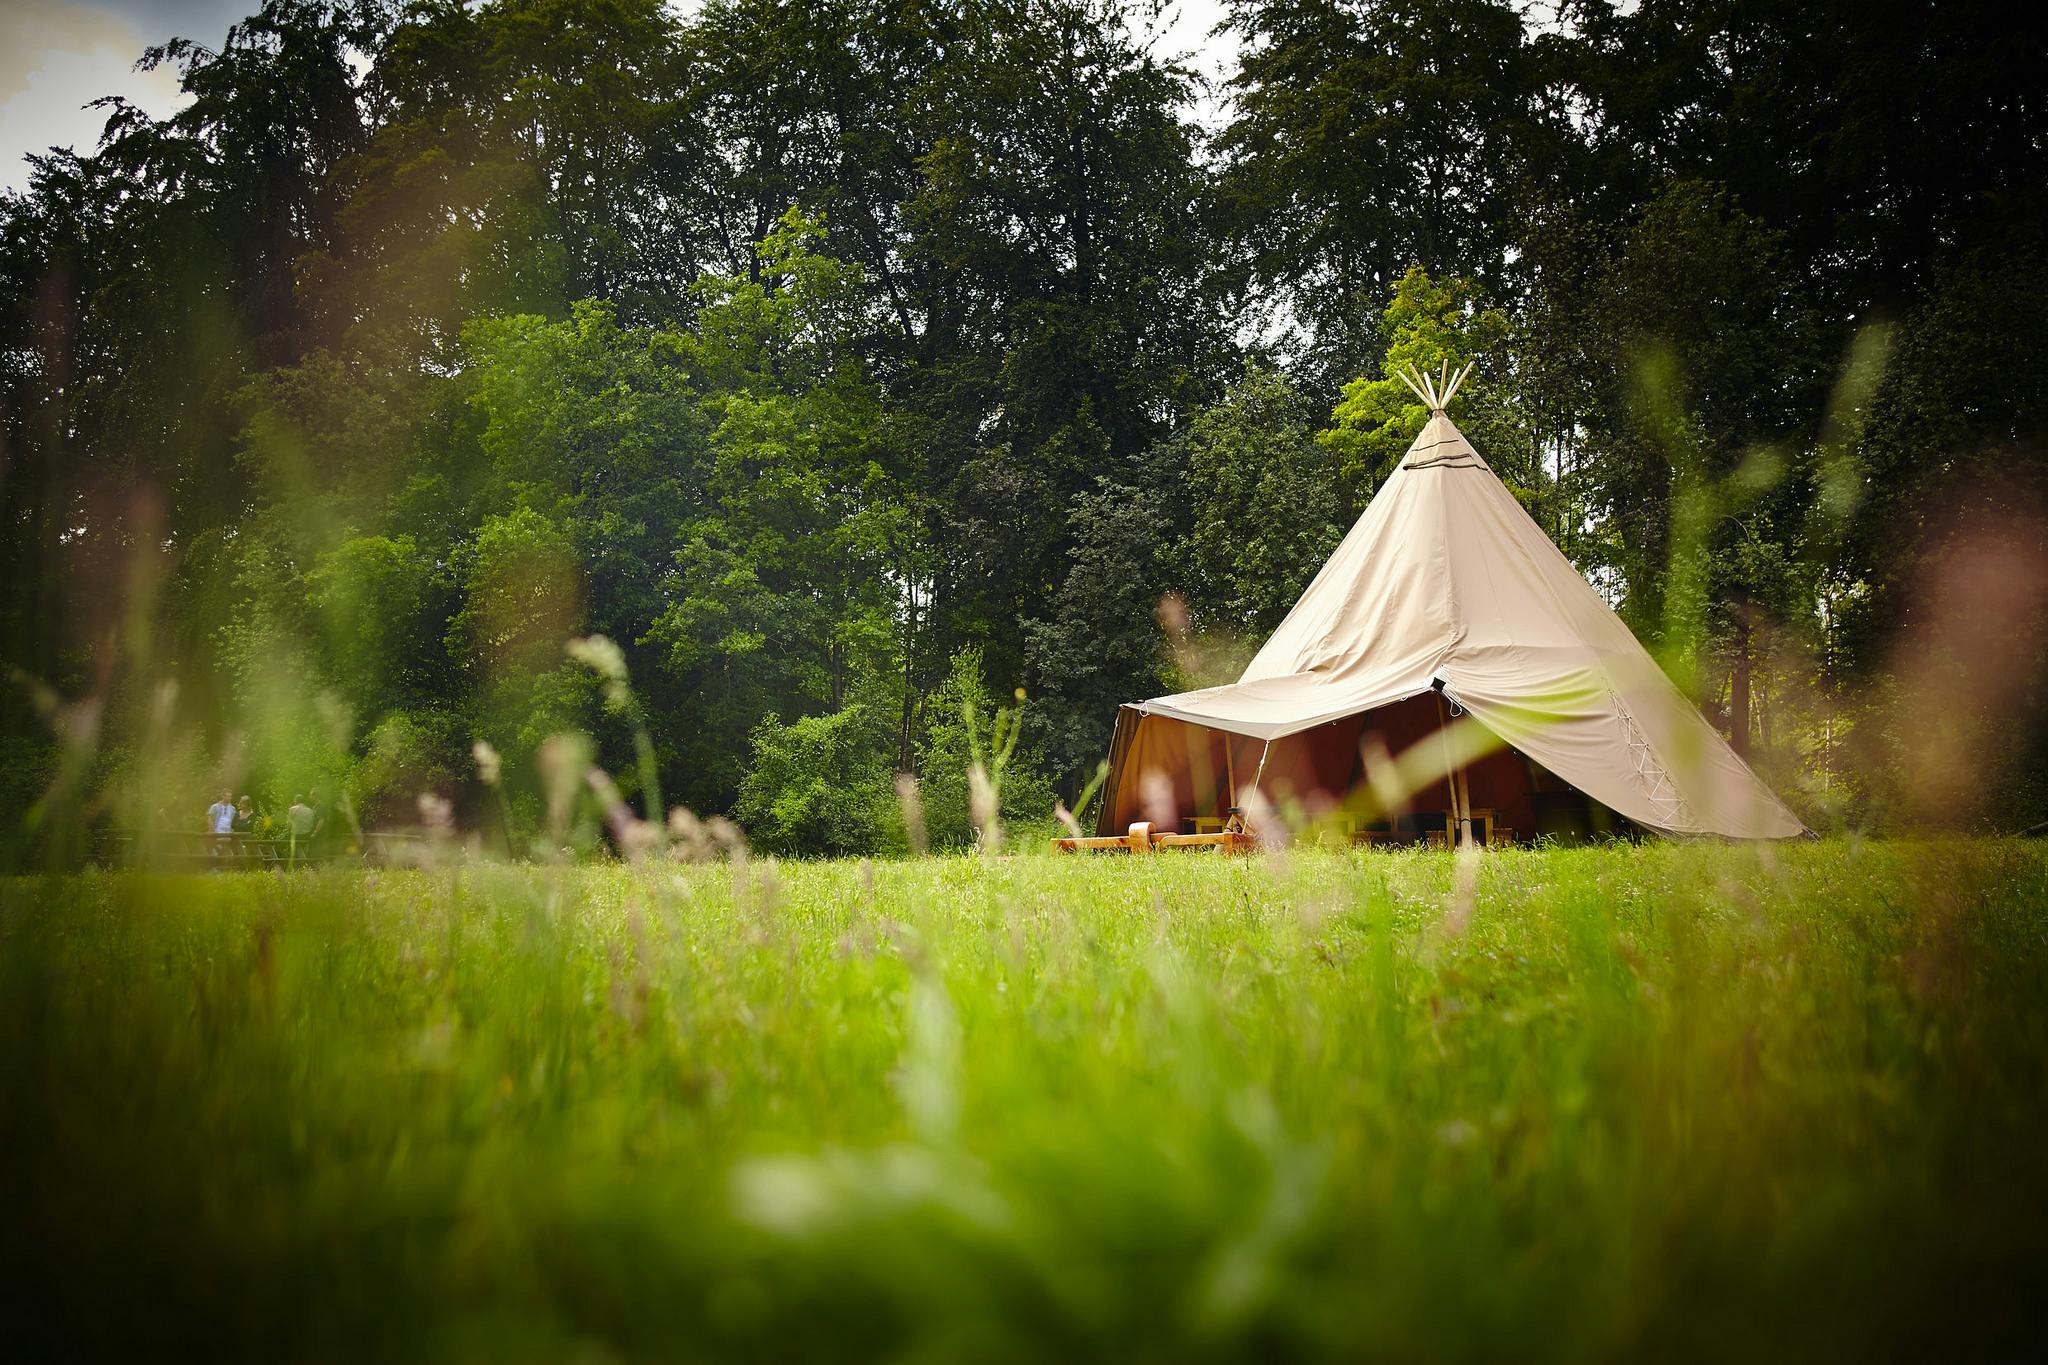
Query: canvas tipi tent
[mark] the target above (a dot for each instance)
(1445, 599)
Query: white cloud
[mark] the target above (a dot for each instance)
(1184, 28)
(56, 56)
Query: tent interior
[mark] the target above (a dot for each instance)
(1186, 777)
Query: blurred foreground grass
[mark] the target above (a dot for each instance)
(1682, 1101)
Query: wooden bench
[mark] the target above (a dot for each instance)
(1141, 838)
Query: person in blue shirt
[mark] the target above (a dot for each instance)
(220, 822)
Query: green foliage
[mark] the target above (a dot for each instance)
(814, 785)
(1358, 148)
(1658, 1101)
(827, 784)
(406, 754)
(521, 587)
(520, 584)
(1430, 325)
(1268, 506)
(377, 599)
(1940, 490)
(965, 729)
(1101, 645)
(778, 599)
(1706, 343)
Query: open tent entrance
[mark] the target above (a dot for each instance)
(1389, 775)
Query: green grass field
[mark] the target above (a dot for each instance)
(1659, 1101)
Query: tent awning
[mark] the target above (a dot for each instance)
(1274, 708)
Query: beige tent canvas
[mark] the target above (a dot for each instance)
(1446, 629)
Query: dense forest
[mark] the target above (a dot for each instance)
(858, 365)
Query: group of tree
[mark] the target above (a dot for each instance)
(854, 364)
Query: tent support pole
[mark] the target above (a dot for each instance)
(1454, 781)
(1230, 769)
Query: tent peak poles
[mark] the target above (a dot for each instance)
(1437, 392)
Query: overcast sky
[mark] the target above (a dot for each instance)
(59, 55)
(56, 56)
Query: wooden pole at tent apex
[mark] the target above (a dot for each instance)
(1436, 393)
(1418, 384)
(1457, 382)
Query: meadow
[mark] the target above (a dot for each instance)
(1666, 1101)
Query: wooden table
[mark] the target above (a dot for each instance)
(1142, 839)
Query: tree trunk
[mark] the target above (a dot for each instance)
(1738, 688)
(906, 757)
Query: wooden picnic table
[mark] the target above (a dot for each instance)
(1141, 838)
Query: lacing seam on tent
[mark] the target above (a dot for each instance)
(1656, 783)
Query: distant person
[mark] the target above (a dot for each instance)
(220, 821)
(301, 819)
(245, 816)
